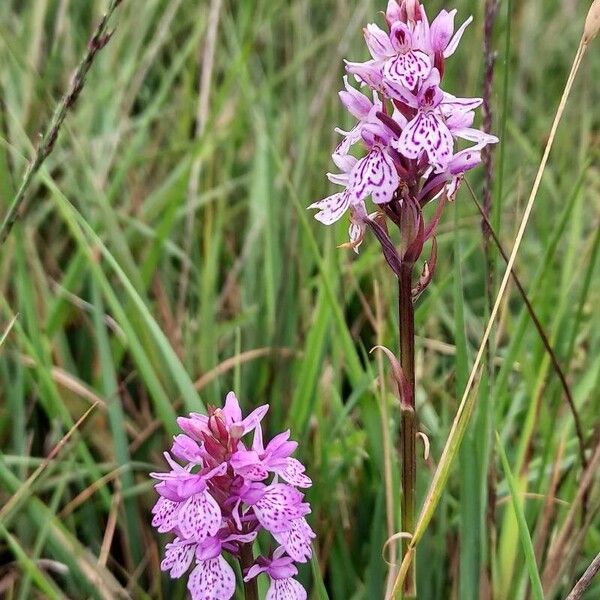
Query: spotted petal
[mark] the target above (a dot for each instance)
(426, 132)
(293, 473)
(165, 514)
(297, 540)
(285, 589)
(332, 208)
(178, 558)
(407, 69)
(374, 175)
(279, 505)
(199, 517)
(212, 579)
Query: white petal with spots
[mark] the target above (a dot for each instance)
(178, 558)
(297, 540)
(165, 514)
(199, 517)
(407, 69)
(374, 175)
(293, 473)
(332, 208)
(427, 132)
(278, 507)
(285, 589)
(212, 579)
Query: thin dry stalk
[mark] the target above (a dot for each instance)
(541, 332)
(556, 553)
(586, 579)
(543, 529)
(491, 10)
(98, 40)
(111, 526)
(31, 479)
(524, 221)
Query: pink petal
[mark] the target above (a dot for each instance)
(407, 69)
(165, 514)
(368, 72)
(350, 138)
(393, 12)
(378, 42)
(474, 135)
(199, 517)
(232, 410)
(338, 178)
(185, 448)
(451, 48)
(464, 161)
(254, 418)
(293, 473)
(356, 233)
(254, 571)
(427, 132)
(332, 208)
(212, 580)
(280, 446)
(374, 175)
(178, 558)
(398, 92)
(401, 37)
(453, 186)
(297, 540)
(282, 567)
(344, 162)
(254, 473)
(209, 548)
(194, 426)
(451, 103)
(357, 104)
(459, 119)
(441, 30)
(280, 505)
(285, 589)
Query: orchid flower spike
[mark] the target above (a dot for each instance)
(408, 126)
(223, 494)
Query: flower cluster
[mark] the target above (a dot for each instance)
(408, 124)
(221, 498)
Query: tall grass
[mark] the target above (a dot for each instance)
(273, 309)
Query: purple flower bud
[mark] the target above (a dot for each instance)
(357, 104)
(378, 42)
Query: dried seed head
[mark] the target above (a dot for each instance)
(592, 23)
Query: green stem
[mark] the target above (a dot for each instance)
(246, 561)
(408, 422)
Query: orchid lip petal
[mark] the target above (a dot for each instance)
(212, 578)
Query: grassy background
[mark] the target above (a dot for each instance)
(137, 195)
